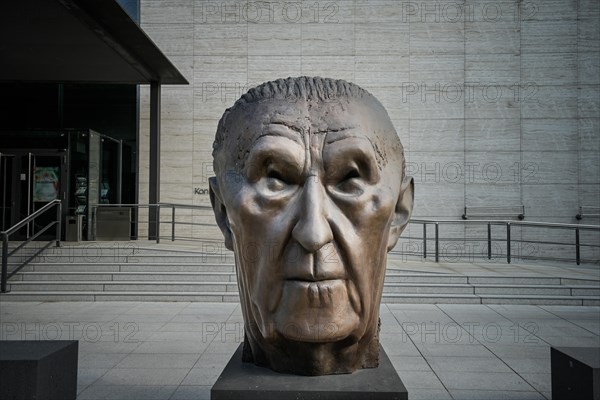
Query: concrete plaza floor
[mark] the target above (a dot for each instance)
(141, 350)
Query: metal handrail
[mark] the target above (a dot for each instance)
(5, 234)
(509, 224)
(581, 213)
(520, 215)
(554, 225)
(174, 206)
(504, 222)
(157, 207)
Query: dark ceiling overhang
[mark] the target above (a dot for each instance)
(91, 41)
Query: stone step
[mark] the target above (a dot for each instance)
(148, 268)
(164, 285)
(164, 269)
(120, 258)
(492, 299)
(561, 290)
(394, 277)
(128, 276)
(572, 281)
(427, 287)
(133, 286)
(541, 300)
(120, 296)
(513, 280)
(121, 248)
(233, 297)
(129, 273)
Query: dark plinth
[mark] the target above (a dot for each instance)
(575, 373)
(247, 381)
(41, 370)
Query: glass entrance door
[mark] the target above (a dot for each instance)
(48, 174)
(6, 189)
(33, 180)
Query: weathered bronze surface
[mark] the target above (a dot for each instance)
(310, 194)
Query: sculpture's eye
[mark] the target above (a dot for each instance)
(276, 181)
(350, 183)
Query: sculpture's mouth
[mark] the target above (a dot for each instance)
(320, 293)
(326, 310)
(323, 293)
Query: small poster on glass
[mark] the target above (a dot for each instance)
(45, 184)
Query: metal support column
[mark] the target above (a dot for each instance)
(437, 242)
(577, 247)
(173, 224)
(120, 173)
(508, 242)
(489, 226)
(154, 182)
(58, 224)
(424, 240)
(4, 263)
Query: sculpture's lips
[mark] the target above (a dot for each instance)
(320, 293)
(321, 311)
(314, 279)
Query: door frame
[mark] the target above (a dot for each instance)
(16, 195)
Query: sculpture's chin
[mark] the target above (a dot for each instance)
(316, 312)
(315, 328)
(303, 358)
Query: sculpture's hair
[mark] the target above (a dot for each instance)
(292, 90)
(303, 88)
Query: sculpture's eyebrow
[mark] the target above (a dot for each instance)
(344, 133)
(282, 129)
(377, 152)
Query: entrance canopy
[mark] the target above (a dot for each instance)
(91, 41)
(86, 41)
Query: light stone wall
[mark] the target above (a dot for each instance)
(496, 102)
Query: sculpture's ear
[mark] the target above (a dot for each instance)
(402, 212)
(220, 211)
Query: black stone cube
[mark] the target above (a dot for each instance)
(575, 373)
(40, 370)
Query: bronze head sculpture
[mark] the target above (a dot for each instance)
(310, 194)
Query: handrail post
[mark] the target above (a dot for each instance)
(173, 224)
(424, 240)
(508, 242)
(4, 262)
(489, 229)
(577, 248)
(157, 215)
(437, 253)
(59, 223)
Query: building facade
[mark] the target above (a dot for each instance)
(497, 103)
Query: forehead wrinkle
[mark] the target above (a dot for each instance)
(286, 124)
(280, 130)
(334, 130)
(337, 138)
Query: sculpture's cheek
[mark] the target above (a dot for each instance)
(380, 207)
(372, 210)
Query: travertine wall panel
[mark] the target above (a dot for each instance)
(496, 103)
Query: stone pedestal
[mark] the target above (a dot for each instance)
(575, 373)
(40, 370)
(247, 381)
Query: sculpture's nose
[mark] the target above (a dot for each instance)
(312, 230)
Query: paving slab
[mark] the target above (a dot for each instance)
(176, 351)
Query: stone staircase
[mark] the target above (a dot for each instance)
(105, 272)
